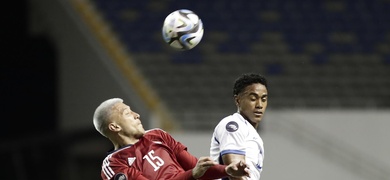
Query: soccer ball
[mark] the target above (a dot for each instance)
(182, 29)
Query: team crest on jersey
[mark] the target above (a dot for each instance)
(231, 126)
(120, 176)
(131, 160)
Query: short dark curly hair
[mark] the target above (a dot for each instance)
(246, 80)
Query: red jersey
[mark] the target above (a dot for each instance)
(156, 156)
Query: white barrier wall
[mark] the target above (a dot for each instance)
(318, 145)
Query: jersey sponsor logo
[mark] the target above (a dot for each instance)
(120, 176)
(231, 126)
(131, 160)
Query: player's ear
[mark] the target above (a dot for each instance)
(236, 100)
(114, 127)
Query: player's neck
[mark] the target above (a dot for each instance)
(124, 141)
(255, 125)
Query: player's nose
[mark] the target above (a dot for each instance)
(136, 115)
(259, 104)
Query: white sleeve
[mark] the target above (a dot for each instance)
(231, 136)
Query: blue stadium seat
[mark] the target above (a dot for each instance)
(244, 26)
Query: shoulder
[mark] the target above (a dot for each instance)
(116, 156)
(232, 120)
(232, 123)
(154, 131)
(157, 134)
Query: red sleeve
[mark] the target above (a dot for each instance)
(215, 172)
(188, 162)
(184, 176)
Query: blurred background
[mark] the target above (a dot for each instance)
(327, 62)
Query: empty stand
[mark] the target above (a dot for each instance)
(328, 54)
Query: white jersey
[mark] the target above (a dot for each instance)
(235, 135)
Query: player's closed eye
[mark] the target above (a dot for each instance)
(126, 112)
(253, 98)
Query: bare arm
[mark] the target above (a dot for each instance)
(229, 158)
(206, 168)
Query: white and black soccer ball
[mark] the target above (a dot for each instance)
(182, 29)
